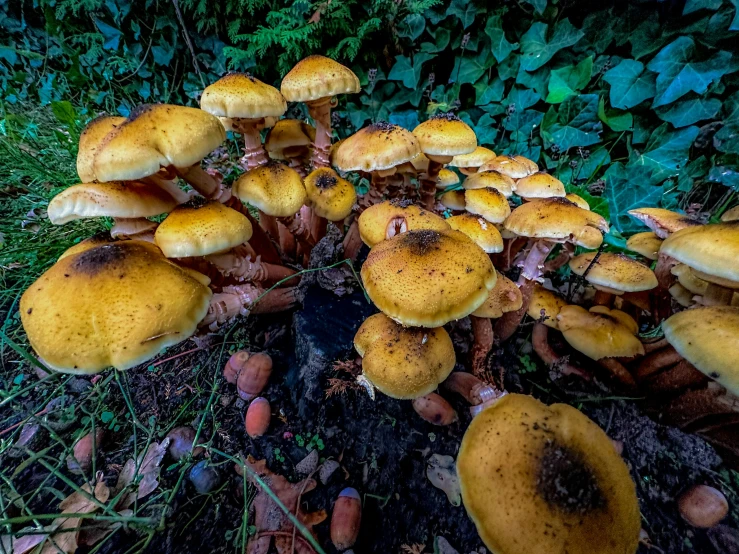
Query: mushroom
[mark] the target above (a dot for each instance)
(663, 222)
(540, 185)
(315, 80)
(551, 471)
(446, 179)
(453, 200)
(330, 197)
(470, 163)
(291, 140)
(490, 179)
(730, 215)
(90, 140)
(515, 167)
(647, 244)
(578, 200)
(245, 101)
(612, 274)
(427, 278)
(403, 362)
(479, 229)
(441, 137)
(392, 217)
(703, 506)
(488, 203)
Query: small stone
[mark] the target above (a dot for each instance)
(442, 546)
(30, 437)
(78, 385)
(308, 465)
(204, 477)
(328, 468)
(441, 471)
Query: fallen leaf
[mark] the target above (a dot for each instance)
(148, 470)
(93, 534)
(25, 543)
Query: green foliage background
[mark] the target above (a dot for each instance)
(640, 99)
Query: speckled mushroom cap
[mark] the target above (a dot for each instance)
(428, 278)
(731, 215)
(503, 298)
(489, 203)
(490, 179)
(689, 280)
(200, 228)
(578, 200)
(403, 362)
(273, 188)
(515, 167)
(90, 140)
(317, 77)
(647, 244)
(445, 134)
(126, 200)
(380, 146)
(545, 306)
(239, 95)
(663, 222)
(711, 251)
(453, 199)
(446, 178)
(708, 337)
(548, 470)
(156, 136)
(558, 220)
(614, 273)
(374, 221)
(476, 158)
(540, 185)
(600, 332)
(481, 231)
(116, 304)
(330, 196)
(287, 135)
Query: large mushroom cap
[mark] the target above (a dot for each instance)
(578, 200)
(708, 337)
(131, 199)
(116, 304)
(453, 199)
(600, 332)
(156, 136)
(97, 239)
(647, 244)
(274, 188)
(504, 297)
(559, 220)
(428, 278)
(711, 250)
(476, 158)
(731, 215)
(396, 215)
(90, 140)
(545, 306)
(663, 222)
(446, 178)
(380, 146)
(484, 233)
(200, 229)
(614, 273)
(540, 185)
(403, 362)
(543, 479)
(330, 196)
(515, 167)
(445, 135)
(490, 179)
(288, 136)
(318, 77)
(489, 203)
(239, 95)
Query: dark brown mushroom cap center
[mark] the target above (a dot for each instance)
(97, 259)
(382, 127)
(421, 242)
(326, 181)
(195, 202)
(447, 116)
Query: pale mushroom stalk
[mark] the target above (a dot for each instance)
(482, 331)
(167, 181)
(202, 181)
(716, 295)
(540, 343)
(244, 299)
(288, 245)
(269, 224)
(254, 152)
(138, 228)
(352, 239)
(656, 361)
(260, 240)
(300, 227)
(320, 111)
(663, 270)
(427, 180)
(478, 393)
(245, 267)
(319, 226)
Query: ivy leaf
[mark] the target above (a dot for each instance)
(647, 37)
(574, 124)
(441, 41)
(408, 119)
(111, 35)
(727, 138)
(509, 67)
(687, 112)
(537, 49)
(537, 80)
(735, 22)
(696, 169)
(617, 121)
(539, 5)
(500, 46)
(412, 26)
(695, 5)
(630, 85)
(489, 91)
(727, 176)
(569, 80)
(464, 10)
(666, 151)
(485, 128)
(522, 124)
(521, 98)
(598, 29)
(628, 189)
(585, 168)
(408, 71)
(469, 70)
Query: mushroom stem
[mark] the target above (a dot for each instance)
(473, 390)
(319, 226)
(320, 111)
(269, 224)
(482, 331)
(298, 164)
(663, 270)
(656, 361)
(650, 347)
(138, 228)
(254, 152)
(168, 185)
(300, 228)
(512, 248)
(202, 181)
(435, 409)
(240, 299)
(276, 300)
(716, 295)
(558, 261)
(259, 240)
(534, 262)
(681, 376)
(242, 267)
(618, 371)
(602, 298)
(540, 342)
(288, 245)
(507, 325)
(352, 241)
(427, 182)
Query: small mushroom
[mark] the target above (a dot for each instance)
(181, 443)
(258, 416)
(613, 274)
(434, 409)
(346, 519)
(490, 179)
(540, 185)
(254, 376)
(469, 164)
(235, 365)
(392, 217)
(703, 506)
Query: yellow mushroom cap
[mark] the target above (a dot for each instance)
(484, 233)
(540, 185)
(681, 295)
(547, 305)
(731, 215)
(599, 333)
(446, 178)
(504, 297)
(489, 203)
(647, 244)
(420, 162)
(116, 304)
(708, 337)
(615, 273)
(131, 199)
(403, 362)
(95, 240)
(579, 200)
(90, 140)
(201, 228)
(275, 189)
(712, 251)
(330, 196)
(289, 135)
(559, 220)
(445, 135)
(689, 280)
(476, 158)
(239, 95)
(156, 136)
(317, 77)
(515, 167)
(374, 221)
(663, 222)
(490, 179)
(380, 146)
(428, 278)
(546, 479)
(453, 199)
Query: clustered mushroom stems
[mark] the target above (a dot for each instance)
(352, 242)
(167, 181)
(560, 364)
(475, 391)
(237, 300)
(206, 184)
(259, 240)
(427, 180)
(254, 152)
(483, 337)
(320, 111)
(300, 227)
(241, 263)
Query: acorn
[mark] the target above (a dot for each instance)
(346, 519)
(703, 506)
(234, 365)
(434, 409)
(180, 443)
(254, 376)
(82, 452)
(258, 416)
(204, 477)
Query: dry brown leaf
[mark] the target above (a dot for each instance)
(93, 534)
(271, 522)
(148, 470)
(25, 543)
(413, 548)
